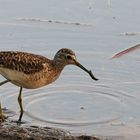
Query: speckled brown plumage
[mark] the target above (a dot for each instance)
(23, 62)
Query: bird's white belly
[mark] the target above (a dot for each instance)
(21, 79)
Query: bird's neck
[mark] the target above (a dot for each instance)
(59, 65)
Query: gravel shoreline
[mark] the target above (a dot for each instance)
(10, 130)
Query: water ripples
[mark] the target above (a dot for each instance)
(79, 105)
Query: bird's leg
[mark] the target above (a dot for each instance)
(4, 82)
(20, 104)
(2, 117)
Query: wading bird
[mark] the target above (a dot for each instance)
(31, 71)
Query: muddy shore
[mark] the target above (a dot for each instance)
(10, 130)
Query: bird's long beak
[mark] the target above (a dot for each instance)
(88, 71)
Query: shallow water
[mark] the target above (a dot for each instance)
(95, 31)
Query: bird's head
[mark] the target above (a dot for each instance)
(66, 56)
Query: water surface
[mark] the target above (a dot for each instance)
(95, 30)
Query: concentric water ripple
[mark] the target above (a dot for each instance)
(77, 105)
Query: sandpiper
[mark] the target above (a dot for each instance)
(27, 70)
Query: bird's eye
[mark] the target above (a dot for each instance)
(69, 57)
